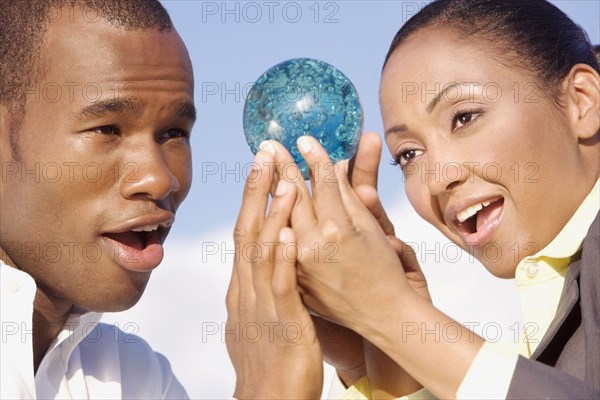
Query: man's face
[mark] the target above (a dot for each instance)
(493, 164)
(105, 162)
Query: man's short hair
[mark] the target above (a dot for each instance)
(23, 24)
(596, 50)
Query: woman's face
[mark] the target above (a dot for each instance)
(487, 158)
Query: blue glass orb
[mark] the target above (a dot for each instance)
(299, 97)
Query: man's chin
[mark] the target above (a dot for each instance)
(111, 298)
(111, 303)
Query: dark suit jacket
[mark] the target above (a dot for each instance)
(566, 363)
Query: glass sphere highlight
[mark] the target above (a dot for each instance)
(299, 97)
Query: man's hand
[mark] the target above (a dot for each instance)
(283, 359)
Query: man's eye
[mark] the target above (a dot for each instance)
(107, 130)
(173, 134)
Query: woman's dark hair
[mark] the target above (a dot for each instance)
(533, 34)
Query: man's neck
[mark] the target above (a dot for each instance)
(5, 258)
(49, 316)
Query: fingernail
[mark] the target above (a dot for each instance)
(268, 147)
(282, 188)
(305, 144)
(258, 162)
(284, 236)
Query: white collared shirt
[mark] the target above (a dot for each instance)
(87, 360)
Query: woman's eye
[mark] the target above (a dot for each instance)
(461, 119)
(405, 157)
(465, 118)
(106, 130)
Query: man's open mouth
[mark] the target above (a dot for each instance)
(137, 245)
(136, 239)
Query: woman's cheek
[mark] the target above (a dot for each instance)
(417, 196)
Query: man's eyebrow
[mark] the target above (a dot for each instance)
(441, 94)
(186, 110)
(396, 129)
(103, 107)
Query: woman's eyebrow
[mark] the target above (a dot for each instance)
(438, 97)
(396, 129)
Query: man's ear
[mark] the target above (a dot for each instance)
(581, 89)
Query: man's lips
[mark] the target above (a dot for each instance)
(137, 240)
(161, 218)
(136, 244)
(476, 219)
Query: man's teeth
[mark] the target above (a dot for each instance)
(147, 228)
(472, 210)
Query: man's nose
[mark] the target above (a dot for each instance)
(149, 175)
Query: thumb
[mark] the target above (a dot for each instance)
(370, 198)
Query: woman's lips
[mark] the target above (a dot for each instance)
(477, 230)
(489, 214)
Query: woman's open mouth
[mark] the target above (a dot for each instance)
(477, 222)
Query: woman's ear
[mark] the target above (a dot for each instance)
(581, 90)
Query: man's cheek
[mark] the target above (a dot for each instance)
(183, 174)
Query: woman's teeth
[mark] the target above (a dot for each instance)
(472, 210)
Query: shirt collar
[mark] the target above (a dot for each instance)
(569, 239)
(79, 324)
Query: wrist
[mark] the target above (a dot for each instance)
(380, 324)
(349, 377)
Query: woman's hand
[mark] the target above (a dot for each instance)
(386, 378)
(358, 279)
(270, 338)
(342, 246)
(342, 349)
(363, 175)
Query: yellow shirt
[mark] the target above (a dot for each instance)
(540, 280)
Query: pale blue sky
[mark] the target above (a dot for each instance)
(231, 43)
